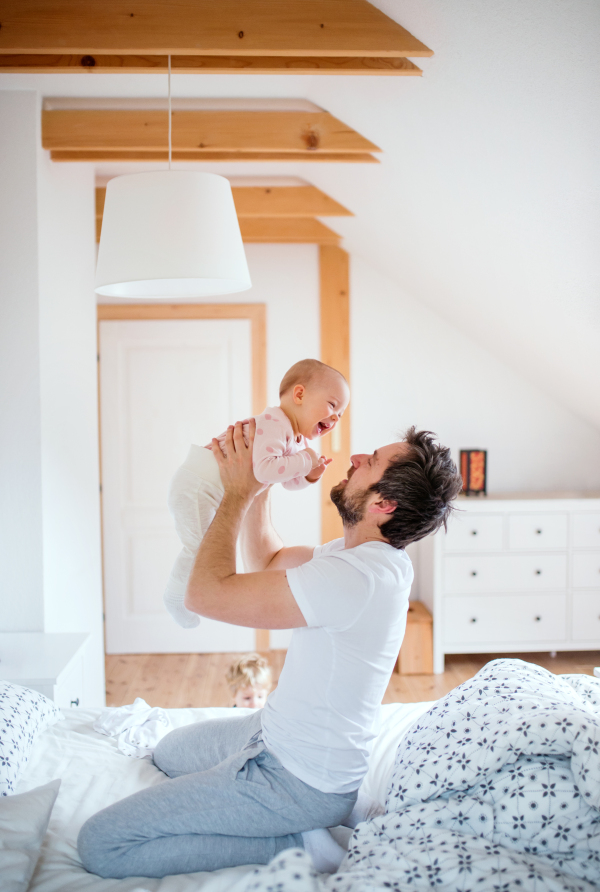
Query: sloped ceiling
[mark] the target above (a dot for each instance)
(486, 204)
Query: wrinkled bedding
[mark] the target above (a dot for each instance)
(95, 774)
(496, 787)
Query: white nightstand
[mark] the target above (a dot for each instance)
(49, 663)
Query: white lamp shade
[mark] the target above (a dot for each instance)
(170, 234)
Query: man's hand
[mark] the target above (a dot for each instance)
(235, 468)
(318, 471)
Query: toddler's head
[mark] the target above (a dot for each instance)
(313, 396)
(250, 680)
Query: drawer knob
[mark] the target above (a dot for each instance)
(538, 619)
(473, 572)
(538, 532)
(473, 532)
(538, 572)
(473, 619)
(75, 702)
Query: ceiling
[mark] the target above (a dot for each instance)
(485, 205)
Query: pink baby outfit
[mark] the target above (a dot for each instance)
(196, 492)
(278, 456)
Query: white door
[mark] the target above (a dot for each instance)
(164, 385)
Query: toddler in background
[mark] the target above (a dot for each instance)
(313, 396)
(250, 679)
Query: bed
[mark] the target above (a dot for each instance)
(95, 774)
(494, 787)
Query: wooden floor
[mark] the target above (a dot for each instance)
(177, 680)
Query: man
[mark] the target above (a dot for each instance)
(244, 789)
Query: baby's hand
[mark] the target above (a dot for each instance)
(315, 459)
(318, 472)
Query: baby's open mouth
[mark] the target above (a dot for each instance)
(323, 427)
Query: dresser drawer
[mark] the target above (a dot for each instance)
(531, 532)
(586, 616)
(586, 530)
(474, 532)
(505, 619)
(504, 573)
(586, 569)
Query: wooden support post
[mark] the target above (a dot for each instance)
(335, 351)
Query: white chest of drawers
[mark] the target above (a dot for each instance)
(514, 575)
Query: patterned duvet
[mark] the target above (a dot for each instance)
(496, 788)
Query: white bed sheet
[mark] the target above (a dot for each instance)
(95, 774)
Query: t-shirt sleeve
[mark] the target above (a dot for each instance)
(331, 590)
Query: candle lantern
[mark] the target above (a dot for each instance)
(473, 469)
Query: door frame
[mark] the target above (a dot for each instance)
(256, 313)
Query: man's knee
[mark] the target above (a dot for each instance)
(92, 847)
(164, 756)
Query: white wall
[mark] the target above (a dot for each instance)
(21, 602)
(49, 504)
(410, 366)
(69, 413)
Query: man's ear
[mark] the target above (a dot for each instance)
(383, 506)
(298, 393)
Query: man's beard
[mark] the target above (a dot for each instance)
(351, 508)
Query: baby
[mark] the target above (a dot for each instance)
(250, 679)
(313, 397)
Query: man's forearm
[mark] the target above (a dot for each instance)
(216, 558)
(260, 543)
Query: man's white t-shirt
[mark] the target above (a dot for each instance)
(322, 717)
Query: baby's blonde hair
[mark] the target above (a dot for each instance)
(251, 670)
(303, 372)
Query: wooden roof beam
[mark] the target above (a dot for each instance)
(268, 230)
(122, 156)
(198, 133)
(275, 202)
(102, 64)
(317, 28)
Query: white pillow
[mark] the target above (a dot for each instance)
(23, 715)
(23, 823)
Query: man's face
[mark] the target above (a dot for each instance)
(352, 495)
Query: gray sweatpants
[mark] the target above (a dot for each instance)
(228, 802)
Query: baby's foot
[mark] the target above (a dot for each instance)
(182, 616)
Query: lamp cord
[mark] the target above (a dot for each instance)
(169, 111)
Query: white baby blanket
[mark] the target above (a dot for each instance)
(137, 727)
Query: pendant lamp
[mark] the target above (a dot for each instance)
(170, 234)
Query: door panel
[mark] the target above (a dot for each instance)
(164, 385)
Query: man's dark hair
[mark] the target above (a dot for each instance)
(423, 481)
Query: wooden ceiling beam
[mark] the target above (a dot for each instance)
(286, 201)
(267, 230)
(278, 202)
(65, 64)
(272, 231)
(121, 156)
(199, 130)
(204, 27)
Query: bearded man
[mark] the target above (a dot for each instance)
(241, 790)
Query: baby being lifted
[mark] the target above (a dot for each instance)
(313, 397)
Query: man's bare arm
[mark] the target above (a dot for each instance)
(259, 600)
(262, 548)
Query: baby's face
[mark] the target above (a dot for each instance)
(321, 405)
(250, 698)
